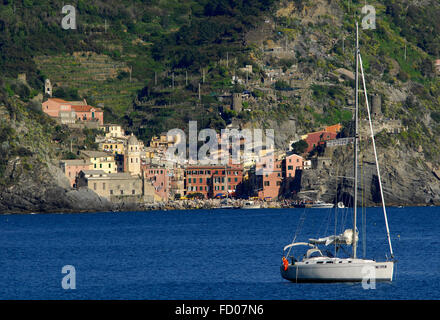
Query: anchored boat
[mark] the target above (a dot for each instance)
(320, 265)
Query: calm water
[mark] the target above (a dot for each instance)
(203, 254)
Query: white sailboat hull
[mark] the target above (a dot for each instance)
(357, 270)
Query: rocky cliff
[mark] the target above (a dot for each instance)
(407, 179)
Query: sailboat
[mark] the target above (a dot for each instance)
(319, 265)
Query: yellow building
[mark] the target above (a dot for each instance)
(100, 160)
(115, 147)
(113, 131)
(163, 141)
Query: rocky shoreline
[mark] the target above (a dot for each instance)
(189, 205)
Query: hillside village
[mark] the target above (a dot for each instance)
(124, 169)
(289, 68)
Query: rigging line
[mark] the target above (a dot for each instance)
(364, 239)
(302, 218)
(375, 156)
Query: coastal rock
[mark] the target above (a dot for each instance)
(405, 180)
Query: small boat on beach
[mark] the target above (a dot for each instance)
(250, 205)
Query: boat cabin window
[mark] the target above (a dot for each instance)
(320, 262)
(329, 261)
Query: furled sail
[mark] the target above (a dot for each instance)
(344, 238)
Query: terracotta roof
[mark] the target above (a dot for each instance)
(58, 100)
(85, 108)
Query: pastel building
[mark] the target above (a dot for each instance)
(115, 147)
(72, 168)
(214, 180)
(269, 177)
(113, 131)
(273, 175)
(292, 163)
(160, 178)
(110, 185)
(100, 160)
(72, 111)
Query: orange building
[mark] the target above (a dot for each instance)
(214, 180)
(334, 128)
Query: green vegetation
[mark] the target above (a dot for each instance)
(299, 147)
(143, 62)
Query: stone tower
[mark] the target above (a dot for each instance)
(236, 102)
(48, 88)
(133, 156)
(376, 106)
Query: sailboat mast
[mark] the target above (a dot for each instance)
(356, 141)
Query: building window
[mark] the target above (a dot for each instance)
(111, 191)
(94, 186)
(201, 180)
(235, 179)
(122, 191)
(223, 187)
(133, 191)
(266, 183)
(278, 183)
(103, 186)
(94, 166)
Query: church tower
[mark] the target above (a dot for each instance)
(133, 155)
(48, 88)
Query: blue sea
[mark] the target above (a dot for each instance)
(205, 254)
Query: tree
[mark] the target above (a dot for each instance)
(300, 146)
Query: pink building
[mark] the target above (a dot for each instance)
(72, 111)
(72, 168)
(293, 162)
(160, 179)
(269, 178)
